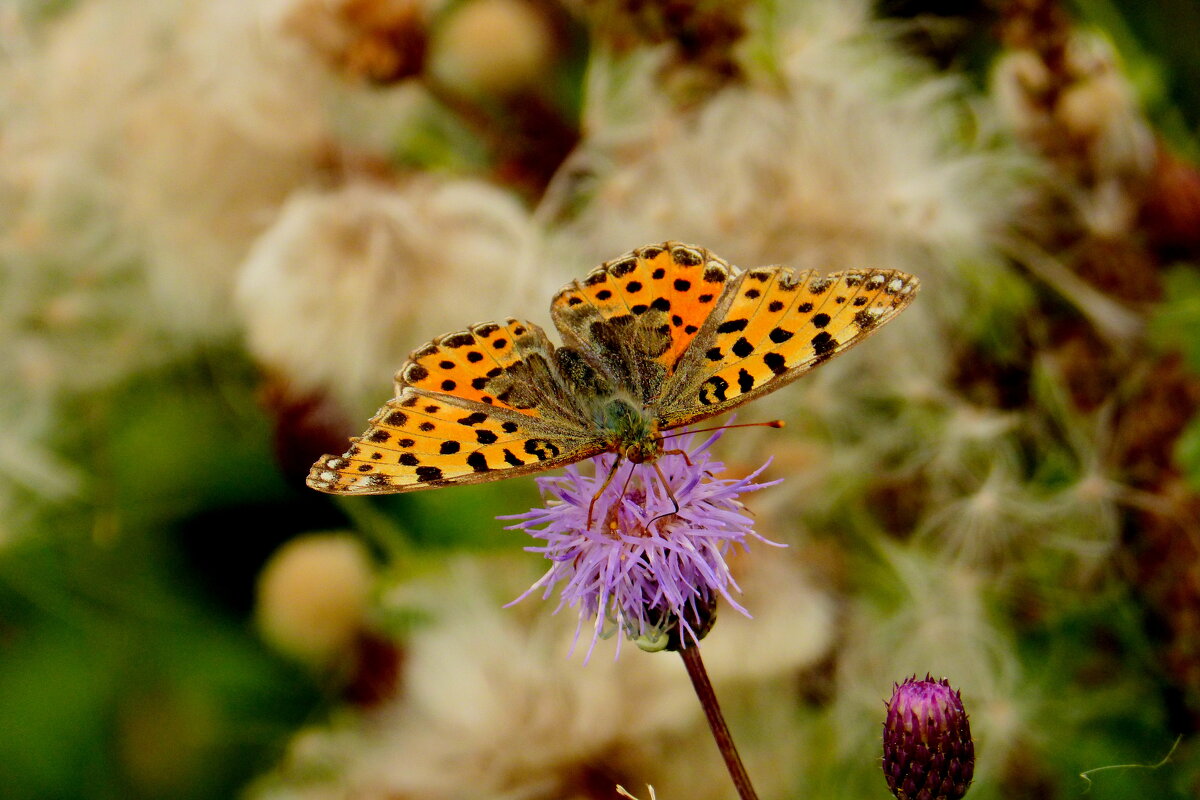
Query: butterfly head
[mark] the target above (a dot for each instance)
(633, 432)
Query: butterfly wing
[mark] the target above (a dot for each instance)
(670, 324)
(637, 314)
(472, 406)
(774, 326)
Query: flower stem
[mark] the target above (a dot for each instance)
(716, 721)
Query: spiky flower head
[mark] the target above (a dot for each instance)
(643, 566)
(928, 753)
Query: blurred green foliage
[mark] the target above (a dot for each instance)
(1176, 326)
(124, 674)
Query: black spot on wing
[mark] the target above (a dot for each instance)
(542, 449)
(713, 390)
(864, 320)
(427, 474)
(823, 343)
(623, 268)
(775, 362)
(733, 326)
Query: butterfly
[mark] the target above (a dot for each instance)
(661, 337)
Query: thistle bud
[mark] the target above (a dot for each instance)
(666, 633)
(928, 753)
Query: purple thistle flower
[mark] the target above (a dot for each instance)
(642, 567)
(928, 753)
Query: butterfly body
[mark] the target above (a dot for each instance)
(632, 432)
(661, 337)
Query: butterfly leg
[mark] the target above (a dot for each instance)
(592, 506)
(667, 488)
(683, 453)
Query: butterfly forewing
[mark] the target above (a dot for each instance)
(656, 299)
(777, 326)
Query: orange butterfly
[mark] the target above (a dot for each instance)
(661, 337)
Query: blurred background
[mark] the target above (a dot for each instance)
(224, 224)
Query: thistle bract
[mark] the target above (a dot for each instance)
(928, 753)
(643, 566)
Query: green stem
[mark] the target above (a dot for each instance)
(716, 721)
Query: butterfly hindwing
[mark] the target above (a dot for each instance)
(499, 364)
(423, 439)
(777, 326)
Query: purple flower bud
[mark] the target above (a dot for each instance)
(928, 753)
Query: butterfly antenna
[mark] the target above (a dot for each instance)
(774, 423)
(611, 472)
(667, 488)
